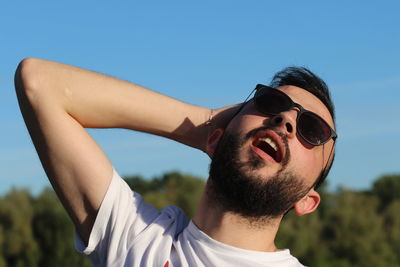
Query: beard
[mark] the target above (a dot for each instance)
(236, 187)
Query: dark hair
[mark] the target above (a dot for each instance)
(305, 79)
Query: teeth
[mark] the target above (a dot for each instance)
(269, 142)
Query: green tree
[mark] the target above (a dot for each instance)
(392, 227)
(19, 247)
(302, 235)
(2, 260)
(387, 189)
(354, 232)
(141, 185)
(172, 188)
(54, 233)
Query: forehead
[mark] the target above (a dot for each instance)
(308, 101)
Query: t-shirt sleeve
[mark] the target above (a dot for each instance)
(121, 217)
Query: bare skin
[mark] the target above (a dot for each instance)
(59, 101)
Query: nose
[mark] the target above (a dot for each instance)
(286, 122)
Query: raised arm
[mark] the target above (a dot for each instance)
(58, 101)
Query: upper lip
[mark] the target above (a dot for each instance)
(275, 138)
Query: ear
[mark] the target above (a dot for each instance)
(212, 141)
(308, 203)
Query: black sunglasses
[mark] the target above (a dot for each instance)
(311, 127)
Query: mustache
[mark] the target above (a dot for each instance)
(283, 137)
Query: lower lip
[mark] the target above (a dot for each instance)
(262, 154)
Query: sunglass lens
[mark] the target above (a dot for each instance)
(313, 129)
(271, 101)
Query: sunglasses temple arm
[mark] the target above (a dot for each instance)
(325, 171)
(243, 103)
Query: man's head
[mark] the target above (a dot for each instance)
(261, 165)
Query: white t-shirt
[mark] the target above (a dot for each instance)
(129, 232)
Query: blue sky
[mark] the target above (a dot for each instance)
(211, 53)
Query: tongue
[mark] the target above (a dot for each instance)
(268, 149)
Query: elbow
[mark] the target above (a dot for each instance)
(24, 77)
(27, 78)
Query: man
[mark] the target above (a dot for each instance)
(268, 155)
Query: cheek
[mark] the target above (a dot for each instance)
(308, 162)
(245, 123)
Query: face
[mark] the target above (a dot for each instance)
(263, 163)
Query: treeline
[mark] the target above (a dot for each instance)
(350, 228)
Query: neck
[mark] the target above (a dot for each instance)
(233, 229)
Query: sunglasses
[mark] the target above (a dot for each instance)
(311, 127)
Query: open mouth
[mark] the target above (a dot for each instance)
(269, 146)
